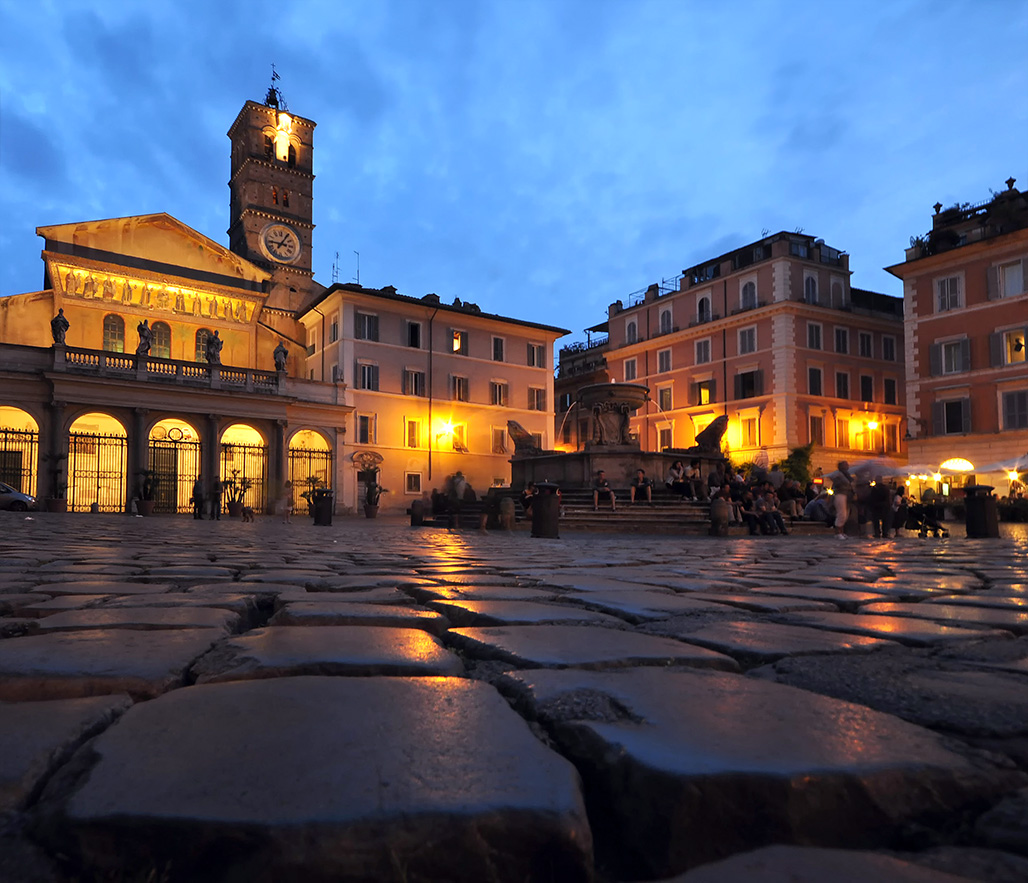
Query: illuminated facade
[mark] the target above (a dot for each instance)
(772, 335)
(965, 289)
(430, 386)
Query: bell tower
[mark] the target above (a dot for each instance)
(271, 186)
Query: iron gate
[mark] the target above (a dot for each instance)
(305, 464)
(19, 452)
(247, 462)
(176, 466)
(96, 471)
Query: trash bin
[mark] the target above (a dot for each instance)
(417, 513)
(545, 510)
(324, 503)
(980, 513)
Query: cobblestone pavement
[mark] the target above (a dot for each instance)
(184, 700)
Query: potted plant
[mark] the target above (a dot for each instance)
(234, 489)
(148, 481)
(313, 485)
(372, 492)
(56, 502)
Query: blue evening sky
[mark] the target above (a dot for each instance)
(542, 159)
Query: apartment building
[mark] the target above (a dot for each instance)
(966, 319)
(431, 387)
(773, 336)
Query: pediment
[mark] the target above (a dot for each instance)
(157, 239)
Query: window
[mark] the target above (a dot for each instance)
(333, 334)
(460, 438)
(867, 387)
(703, 312)
(664, 398)
(948, 291)
(1008, 347)
(817, 430)
(1011, 279)
(664, 438)
(749, 384)
(747, 341)
(460, 389)
(285, 198)
(813, 335)
(414, 335)
(842, 340)
(365, 429)
(161, 344)
(842, 433)
(748, 299)
(536, 399)
(1015, 410)
(950, 357)
(269, 147)
(749, 432)
(810, 289)
(201, 343)
(799, 249)
(891, 437)
(336, 374)
(114, 335)
(413, 433)
(536, 355)
(367, 376)
(563, 401)
(365, 326)
(291, 156)
(459, 342)
(630, 370)
(500, 440)
(814, 386)
(498, 394)
(703, 351)
(705, 392)
(889, 391)
(865, 343)
(889, 348)
(663, 361)
(412, 482)
(631, 333)
(952, 417)
(665, 322)
(842, 385)
(497, 349)
(414, 383)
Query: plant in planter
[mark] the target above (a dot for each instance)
(56, 502)
(148, 481)
(234, 489)
(313, 485)
(372, 492)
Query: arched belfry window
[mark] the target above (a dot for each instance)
(285, 198)
(114, 333)
(201, 344)
(161, 345)
(269, 147)
(292, 156)
(274, 195)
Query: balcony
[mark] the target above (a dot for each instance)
(149, 369)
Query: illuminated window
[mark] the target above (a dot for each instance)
(114, 334)
(664, 361)
(499, 440)
(704, 392)
(817, 430)
(536, 399)
(842, 433)
(460, 435)
(1013, 347)
(412, 482)
(274, 195)
(285, 199)
(664, 438)
(460, 388)
(460, 342)
(413, 433)
(161, 345)
(749, 432)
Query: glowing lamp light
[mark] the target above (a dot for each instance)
(872, 425)
(958, 464)
(1012, 475)
(937, 477)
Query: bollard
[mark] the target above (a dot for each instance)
(981, 516)
(417, 513)
(545, 511)
(323, 500)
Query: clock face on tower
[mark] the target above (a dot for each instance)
(280, 243)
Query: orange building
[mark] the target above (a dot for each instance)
(773, 336)
(965, 291)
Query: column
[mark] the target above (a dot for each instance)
(138, 454)
(278, 468)
(211, 458)
(55, 453)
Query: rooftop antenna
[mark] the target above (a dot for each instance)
(274, 97)
(358, 266)
(335, 269)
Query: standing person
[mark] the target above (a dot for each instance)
(198, 497)
(900, 510)
(602, 487)
(641, 485)
(285, 502)
(880, 505)
(216, 491)
(842, 496)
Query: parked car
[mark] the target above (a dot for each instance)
(14, 500)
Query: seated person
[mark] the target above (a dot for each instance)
(642, 486)
(602, 487)
(694, 480)
(527, 497)
(676, 479)
(749, 513)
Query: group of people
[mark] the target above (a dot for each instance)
(854, 499)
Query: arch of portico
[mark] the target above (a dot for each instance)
(97, 463)
(19, 449)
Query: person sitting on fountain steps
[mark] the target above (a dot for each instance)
(641, 486)
(602, 487)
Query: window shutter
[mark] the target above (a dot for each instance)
(965, 354)
(965, 409)
(938, 418)
(738, 386)
(374, 376)
(935, 359)
(374, 330)
(995, 349)
(694, 393)
(758, 382)
(713, 390)
(992, 282)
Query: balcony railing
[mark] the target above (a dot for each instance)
(149, 369)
